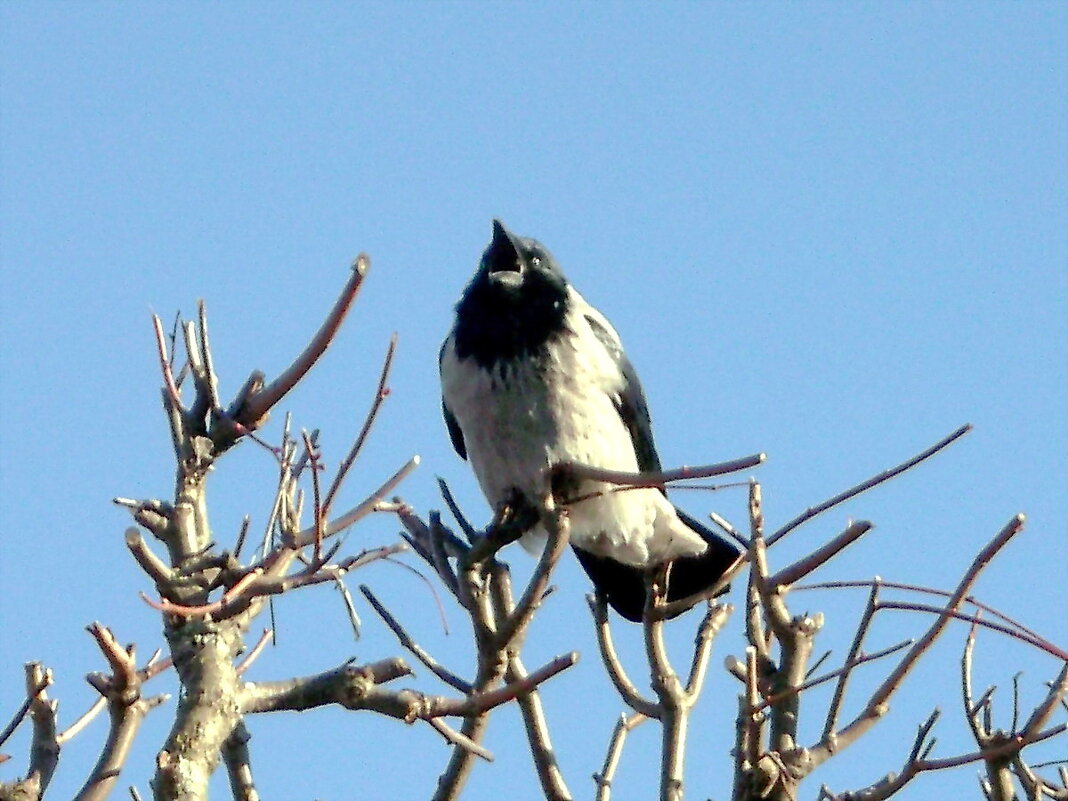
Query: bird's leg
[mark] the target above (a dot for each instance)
(514, 518)
(565, 486)
(657, 581)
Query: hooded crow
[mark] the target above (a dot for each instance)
(533, 376)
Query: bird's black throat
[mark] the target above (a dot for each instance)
(496, 323)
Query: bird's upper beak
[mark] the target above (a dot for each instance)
(504, 264)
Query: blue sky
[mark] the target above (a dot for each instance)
(830, 233)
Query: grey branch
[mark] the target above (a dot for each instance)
(459, 739)
(603, 780)
(482, 585)
(357, 687)
(44, 747)
(238, 763)
(616, 672)
(126, 709)
(530, 708)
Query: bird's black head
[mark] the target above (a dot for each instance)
(514, 304)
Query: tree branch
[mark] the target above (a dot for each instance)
(381, 392)
(616, 672)
(44, 747)
(253, 412)
(603, 780)
(886, 475)
(876, 706)
(238, 763)
(356, 687)
(803, 567)
(126, 708)
(655, 478)
(411, 645)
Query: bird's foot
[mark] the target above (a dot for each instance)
(513, 519)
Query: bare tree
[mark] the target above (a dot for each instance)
(209, 597)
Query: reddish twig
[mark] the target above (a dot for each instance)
(254, 654)
(1039, 643)
(896, 585)
(261, 403)
(656, 478)
(802, 567)
(769, 700)
(361, 510)
(886, 475)
(165, 364)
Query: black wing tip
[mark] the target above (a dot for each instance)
(709, 536)
(623, 586)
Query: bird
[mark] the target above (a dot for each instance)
(532, 377)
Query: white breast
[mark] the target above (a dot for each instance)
(524, 416)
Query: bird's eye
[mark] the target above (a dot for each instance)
(535, 261)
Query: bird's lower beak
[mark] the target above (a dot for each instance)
(506, 278)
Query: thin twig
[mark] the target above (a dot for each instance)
(361, 510)
(830, 725)
(460, 739)
(559, 528)
(381, 392)
(897, 585)
(262, 402)
(241, 534)
(87, 717)
(454, 510)
(411, 645)
(886, 475)
(254, 654)
(1042, 645)
(724, 525)
(165, 364)
(838, 673)
(656, 478)
(23, 710)
(604, 778)
(211, 379)
(318, 511)
(350, 608)
(1042, 712)
(803, 567)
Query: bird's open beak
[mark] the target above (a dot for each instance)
(504, 265)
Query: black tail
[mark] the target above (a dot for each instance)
(624, 585)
